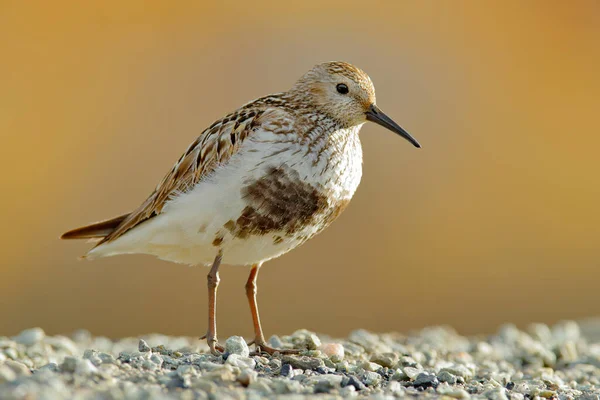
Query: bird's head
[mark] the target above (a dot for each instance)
(346, 94)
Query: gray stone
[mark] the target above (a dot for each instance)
(241, 361)
(394, 387)
(496, 394)
(49, 367)
(106, 358)
(85, 367)
(11, 353)
(459, 370)
(312, 342)
(412, 373)
(157, 359)
(18, 368)
(357, 384)
(453, 391)
(275, 363)
(445, 376)
(324, 383)
(261, 386)
(399, 375)
(93, 356)
(425, 380)
(29, 337)
(275, 342)
(7, 374)
(299, 377)
(407, 361)
(388, 360)
(371, 378)
(82, 336)
(286, 370)
(303, 362)
(68, 364)
(370, 366)
(143, 346)
(237, 345)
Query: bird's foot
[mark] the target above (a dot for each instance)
(262, 347)
(213, 344)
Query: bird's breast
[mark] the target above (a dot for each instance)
(301, 187)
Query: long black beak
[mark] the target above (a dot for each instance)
(376, 115)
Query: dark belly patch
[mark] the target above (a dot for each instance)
(279, 202)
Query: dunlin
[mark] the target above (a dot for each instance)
(255, 184)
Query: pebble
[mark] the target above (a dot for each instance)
(387, 360)
(287, 371)
(412, 373)
(29, 337)
(247, 377)
(68, 364)
(371, 378)
(459, 370)
(366, 339)
(143, 346)
(312, 342)
(275, 342)
(445, 376)
(18, 368)
(407, 361)
(370, 366)
(303, 362)
(241, 361)
(11, 353)
(358, 385)
(425, 380)
(7, 374)
(399, 375)
(237, 345)
(335, 351)
(85, 367)
(49, 367)
(453, 392)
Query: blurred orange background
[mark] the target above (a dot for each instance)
(495, 220)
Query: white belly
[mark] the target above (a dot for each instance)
(193, 227)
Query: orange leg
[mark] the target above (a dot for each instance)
(213, 284)
(259, 338)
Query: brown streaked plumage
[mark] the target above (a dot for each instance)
(255, 184)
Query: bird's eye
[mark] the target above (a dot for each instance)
(342, 88)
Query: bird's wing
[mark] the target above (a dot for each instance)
(213, 147)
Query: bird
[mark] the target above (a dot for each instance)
(254, 185)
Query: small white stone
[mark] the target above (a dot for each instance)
(370, 366)
(394, 386)
(7, 374)
(371, 378)
(237, 345)
(18, 368)
(412, 372)
(241, 361)
(30, 337)
(11, 353)
(331, 379)
(312, 341)
(85, 367)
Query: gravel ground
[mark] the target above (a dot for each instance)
(559, 362)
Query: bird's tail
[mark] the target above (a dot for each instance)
(95, 230)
